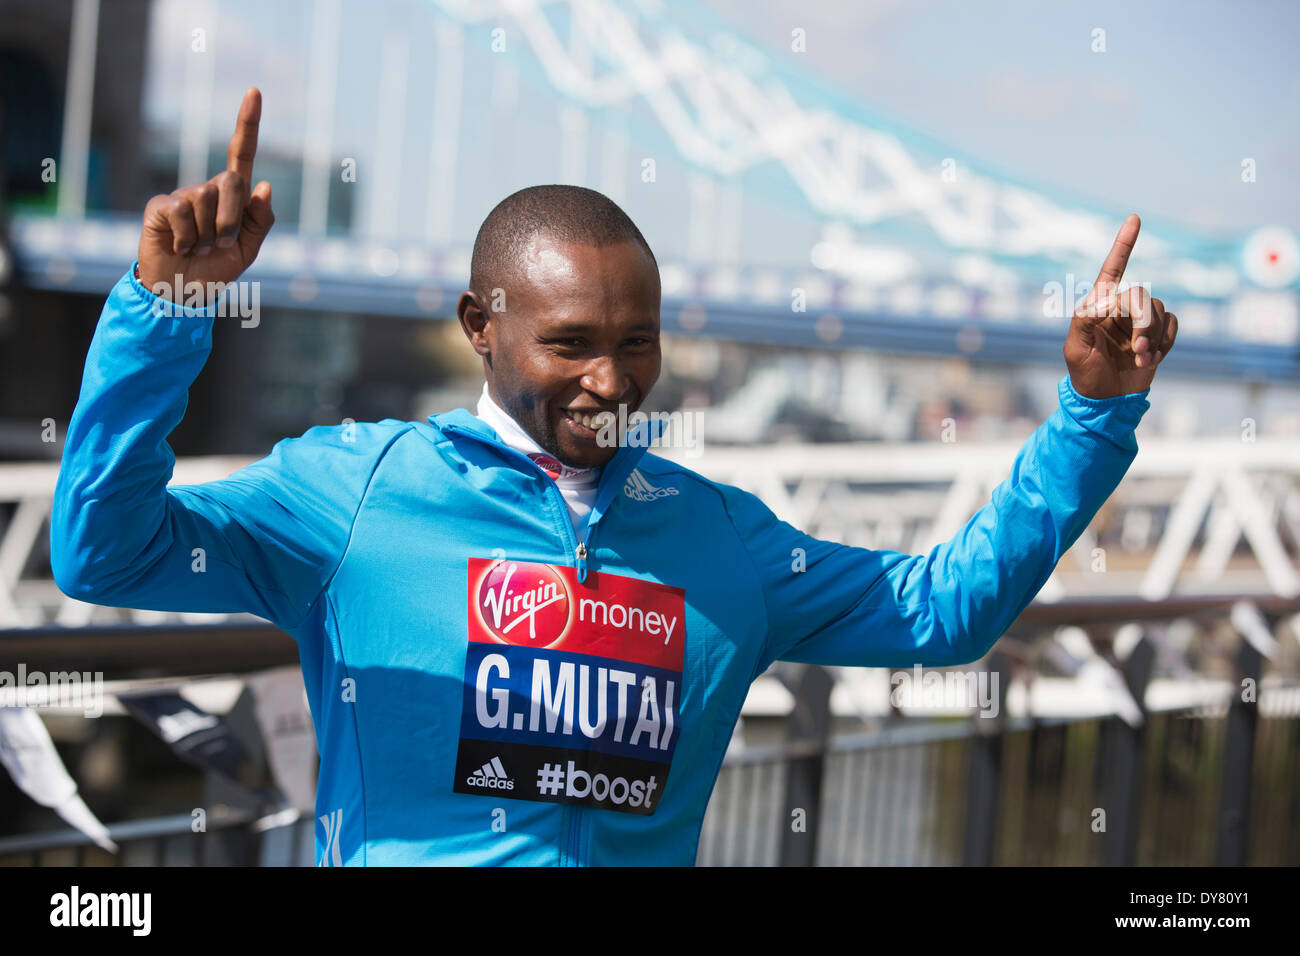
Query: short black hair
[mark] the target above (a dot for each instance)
(571, 214)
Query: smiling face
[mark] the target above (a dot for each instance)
(577, 335)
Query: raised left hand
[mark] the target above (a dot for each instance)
(1117, 339)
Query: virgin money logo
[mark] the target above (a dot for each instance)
(524, 604)
(555, 468)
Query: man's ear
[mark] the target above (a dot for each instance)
(474, 321)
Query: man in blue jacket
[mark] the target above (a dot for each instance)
(522, 643)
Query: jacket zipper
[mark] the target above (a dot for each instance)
(575, 547)
(572, 816)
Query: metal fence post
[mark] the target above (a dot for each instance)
(810, 723)
(1121, 757)
(1232, 838)
(985, 774)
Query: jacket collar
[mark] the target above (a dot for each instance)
(614, 473)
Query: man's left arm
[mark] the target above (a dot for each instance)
(829, 603)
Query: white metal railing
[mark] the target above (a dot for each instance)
(1200, 517)
(1230, 507)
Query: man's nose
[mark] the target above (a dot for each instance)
(605, 377)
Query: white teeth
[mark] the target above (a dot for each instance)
(594, 422)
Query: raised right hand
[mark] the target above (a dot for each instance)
(210, 232)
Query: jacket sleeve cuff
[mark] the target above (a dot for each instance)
(164, 306)
(1114, 418)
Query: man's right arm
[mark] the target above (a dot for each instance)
(265, 540)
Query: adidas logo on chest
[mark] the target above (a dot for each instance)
(639, 489)
(491, 775)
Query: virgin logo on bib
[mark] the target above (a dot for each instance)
(555, 468)
(571, 692)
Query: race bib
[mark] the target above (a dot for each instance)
(571, 691)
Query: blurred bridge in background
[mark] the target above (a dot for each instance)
(781, 211)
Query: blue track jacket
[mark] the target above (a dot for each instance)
(486, 686)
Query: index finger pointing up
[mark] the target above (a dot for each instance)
(1112, 269)
(243, 145)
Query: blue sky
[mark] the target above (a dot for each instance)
(1184, 91)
